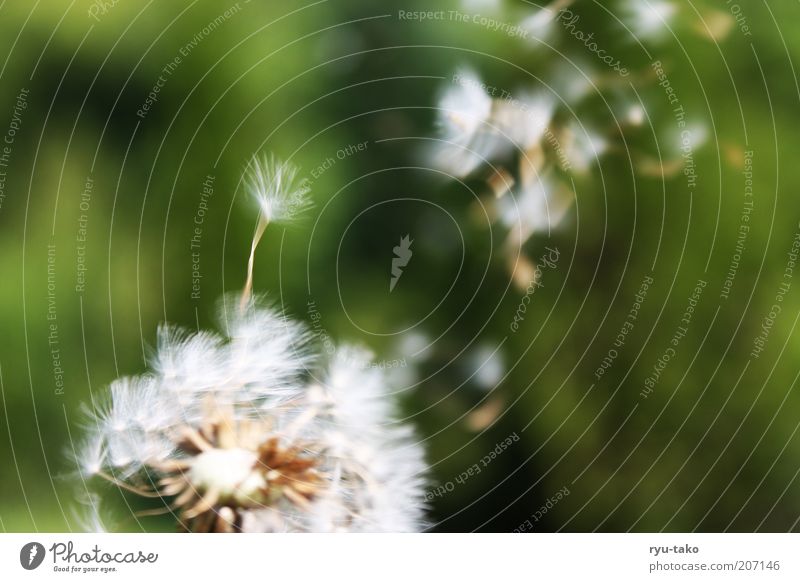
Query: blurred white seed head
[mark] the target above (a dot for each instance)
(583, 146)
(524, 120)
(649, 19)
(486, 366)
(464, 107)
(540, 24)
(682, 143)
(276, 186)
(635, 114)
(464, 111)
(478, 5)
(694, 135)
(539, 205)
(575, 82)
(415, 344)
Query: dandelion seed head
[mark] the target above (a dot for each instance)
(233, 431)
(256, 444)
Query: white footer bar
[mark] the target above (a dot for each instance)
(407, 558)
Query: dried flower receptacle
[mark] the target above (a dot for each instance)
(230, 467)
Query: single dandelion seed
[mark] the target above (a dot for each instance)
(281, 197)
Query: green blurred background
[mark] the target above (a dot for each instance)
(714, 447)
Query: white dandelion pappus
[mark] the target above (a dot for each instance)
(257, 445)
(363, 427)
(276, 186)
